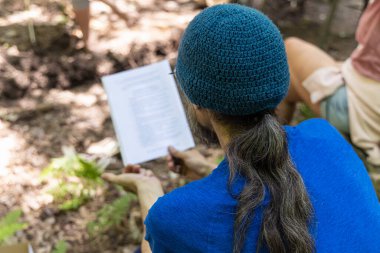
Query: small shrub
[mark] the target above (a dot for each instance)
(111, 215)
(306, 112)
(78, 177)
(10, 224)
(60, 247)
(219, 159)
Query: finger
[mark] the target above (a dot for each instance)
(148, 173)
(128, 168)
(178, 169)
(143, 172)
(136, 169)
(137, 166)
(111, 178)
(170, 162)
(132, 168)
(174, 152)
(174, 169)
(125, 179)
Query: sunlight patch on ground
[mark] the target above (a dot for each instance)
(37, 14)
(8, 143)
(148, 28)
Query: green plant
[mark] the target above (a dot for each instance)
(60, 247)
(78, 179)
(111, 215)
(306, 112)
(219, 159)
(10, 224)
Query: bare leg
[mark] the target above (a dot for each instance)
(82, 17)
(304, 58)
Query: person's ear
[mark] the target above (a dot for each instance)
(202, 116)
(197, 107)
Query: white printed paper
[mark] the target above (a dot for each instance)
(147, 112)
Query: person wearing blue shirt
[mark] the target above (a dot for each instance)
(279, 189)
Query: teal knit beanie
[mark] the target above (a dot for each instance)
(232, 60)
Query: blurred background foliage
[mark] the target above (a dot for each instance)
(10, 224)
(51, 97)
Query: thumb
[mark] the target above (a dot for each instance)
(113, 178)
(177, 154)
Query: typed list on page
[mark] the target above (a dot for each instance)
(147, 112)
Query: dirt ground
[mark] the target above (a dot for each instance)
(51, 96)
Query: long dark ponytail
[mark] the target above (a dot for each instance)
(259, 152)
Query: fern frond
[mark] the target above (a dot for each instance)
(60, 247)
(10, 224)
(111, 215)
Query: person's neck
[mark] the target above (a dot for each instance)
(223, 135)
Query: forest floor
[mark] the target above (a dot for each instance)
(51, 97)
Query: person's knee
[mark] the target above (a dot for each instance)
(293, 42)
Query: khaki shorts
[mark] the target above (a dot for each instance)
(327, 86)
(335, 109)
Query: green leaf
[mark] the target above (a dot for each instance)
(78, 178)
(111, 215)
(219, 159)
(60, 247)
(10, 224)
(87, 169)
(306, 112)
(73, 204)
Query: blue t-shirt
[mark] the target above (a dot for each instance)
(199, 217)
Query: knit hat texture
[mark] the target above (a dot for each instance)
(232, 60)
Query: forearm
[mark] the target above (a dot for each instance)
(147, 198)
